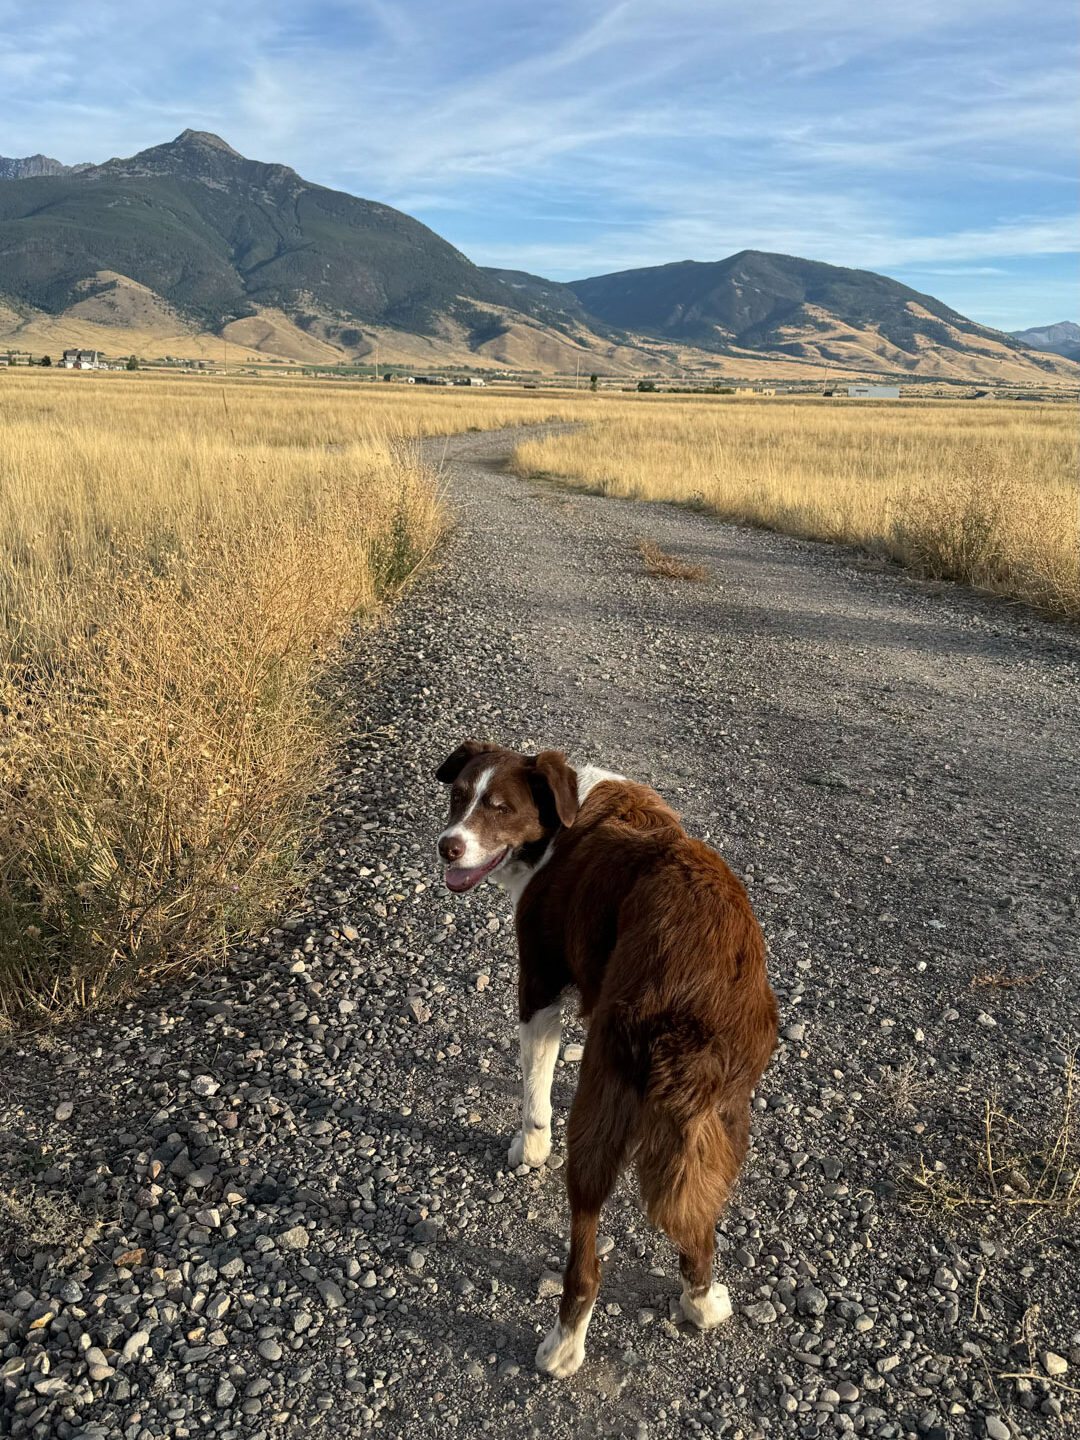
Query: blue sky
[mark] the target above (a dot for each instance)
(934, 140)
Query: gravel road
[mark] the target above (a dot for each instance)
(276, 1202)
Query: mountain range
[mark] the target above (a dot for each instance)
(185, 242)
(783, 305)
(32, 165)
(1062, 338)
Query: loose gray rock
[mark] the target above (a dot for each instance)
(811, 1301)
(295, 1238)
(134, 1345)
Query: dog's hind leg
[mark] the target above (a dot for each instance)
(705, 1302)
(602, 1122)
(685, 1178)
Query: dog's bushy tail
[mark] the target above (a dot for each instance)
(689, 1148)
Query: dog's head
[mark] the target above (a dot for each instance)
(503, 806)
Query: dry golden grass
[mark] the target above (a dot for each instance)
(982, 493)
(667, 567)
(178, 556)
(176, 562)
(33, 1218)
(99, 464)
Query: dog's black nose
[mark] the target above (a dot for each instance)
(451, 847)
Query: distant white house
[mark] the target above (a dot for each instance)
(873, 392)
(83, 360)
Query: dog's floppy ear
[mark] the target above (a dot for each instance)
(554, 770)
(453, 765)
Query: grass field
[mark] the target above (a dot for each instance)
(177, 560)
(983, 493)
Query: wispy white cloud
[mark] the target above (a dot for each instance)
(586, 135)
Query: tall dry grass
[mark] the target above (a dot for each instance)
(981, 493)
(176, 563)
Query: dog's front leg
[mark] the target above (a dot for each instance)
(539, 1051)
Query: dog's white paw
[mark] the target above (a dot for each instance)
(530, 1147)
(561, 1351)
(708, 1310)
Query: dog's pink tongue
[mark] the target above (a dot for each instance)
(460, 877)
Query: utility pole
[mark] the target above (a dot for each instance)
(577, 374)
(376, 358)
(225, 345)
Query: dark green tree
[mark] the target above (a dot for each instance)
(133, 363)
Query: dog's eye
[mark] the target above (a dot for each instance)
(498, 808)
(457, 796)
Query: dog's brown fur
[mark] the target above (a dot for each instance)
(658, 936)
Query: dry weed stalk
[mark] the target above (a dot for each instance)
(668, 567)
(1001, 981)
(1014, 1168)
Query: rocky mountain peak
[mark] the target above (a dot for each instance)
(204, 138)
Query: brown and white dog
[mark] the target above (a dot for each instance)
(613, 898)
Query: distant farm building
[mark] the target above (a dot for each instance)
(83, 360)
(873, 392)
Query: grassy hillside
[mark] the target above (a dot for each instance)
(556, 304)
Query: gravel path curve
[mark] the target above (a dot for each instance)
(275, 1202)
